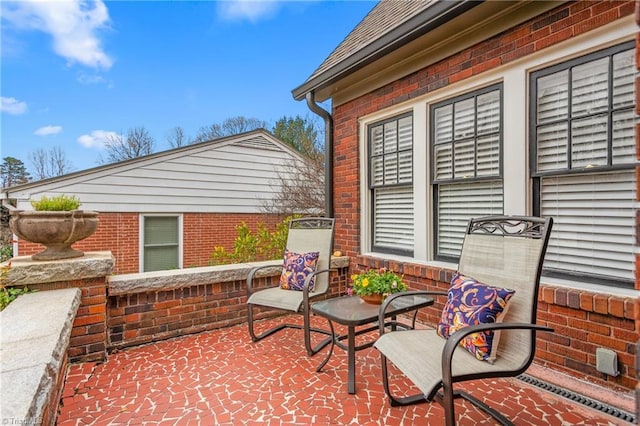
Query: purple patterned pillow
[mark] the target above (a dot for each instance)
(470, 302)
(296, 268)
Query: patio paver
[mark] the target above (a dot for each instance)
(222, 378)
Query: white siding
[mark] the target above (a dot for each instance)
(229, 175)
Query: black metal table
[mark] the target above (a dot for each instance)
(352, 311)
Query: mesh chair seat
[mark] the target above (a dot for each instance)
(276, 297)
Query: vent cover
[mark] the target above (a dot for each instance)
(580, 399)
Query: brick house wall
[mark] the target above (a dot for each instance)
(637, 257)
(120, 234)
(583, 320)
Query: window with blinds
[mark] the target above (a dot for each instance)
(582, 133)
(466, 135)
(161, 243)
(391, 184)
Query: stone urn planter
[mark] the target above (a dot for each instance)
(56, 230)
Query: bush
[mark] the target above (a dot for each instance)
(6, 252)
(250, 247)
(8, 294)
(60, 202)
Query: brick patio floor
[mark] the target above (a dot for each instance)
(222, 378)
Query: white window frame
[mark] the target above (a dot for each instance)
(141, 237)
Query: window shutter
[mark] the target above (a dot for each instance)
(459, 202)
(393, 218)
(161, 243)
(594, 219)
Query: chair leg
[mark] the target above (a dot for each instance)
(394, 400)
(307, 335)
(306, 327)
(484, 407)
(447, 398)
(257, 337)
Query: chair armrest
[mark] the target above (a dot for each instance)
(453, 342)
(391, 298)
(252, 274)
(307, 281)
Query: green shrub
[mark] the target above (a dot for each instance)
(6, 252)
(8, 294)
(250, 247)
(60, 202)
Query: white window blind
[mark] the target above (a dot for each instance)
(391, 183)
(459, 202)
(393, 218)
(594, 219)
(161, 243)
(467, 137)
(574, 106)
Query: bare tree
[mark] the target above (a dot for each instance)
(48, 164)
(230, 126)
(177, 138)
(300, 187)
(137, 143)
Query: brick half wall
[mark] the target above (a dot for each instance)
(582, 321)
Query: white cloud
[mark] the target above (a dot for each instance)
(251, 10)
(48, 130)
(96, 139)
(87, 79)
(12, 106)
(73, 25)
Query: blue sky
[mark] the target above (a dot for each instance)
(75, 71)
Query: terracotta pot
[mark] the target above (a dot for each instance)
(56, 230)
(374, 299)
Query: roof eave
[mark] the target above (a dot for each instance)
(422, 23)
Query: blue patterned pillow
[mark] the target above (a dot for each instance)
(296, 268)
(470, 302)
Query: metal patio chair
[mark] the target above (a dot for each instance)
(306, 235)
(504, 252)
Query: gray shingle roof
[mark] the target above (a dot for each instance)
(390, 24)
(386, 15)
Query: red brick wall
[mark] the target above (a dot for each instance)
(120, 234)
(549, 28)
(139, 318)
(89, 332)
(637, 304)
(583, 320)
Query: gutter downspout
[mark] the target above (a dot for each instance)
(328, 152)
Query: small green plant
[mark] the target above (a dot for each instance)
(8, 294)
(376, 281)
(249, 246)
(6, 252)
(60, 202)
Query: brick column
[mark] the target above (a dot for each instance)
(637, 259)
(88, 273)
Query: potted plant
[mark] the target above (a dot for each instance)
(374, 285)
(56, 223)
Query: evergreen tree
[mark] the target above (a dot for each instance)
(13, 172)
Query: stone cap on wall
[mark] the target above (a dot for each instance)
(36, 329)
(25, 271)
(177, 278)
